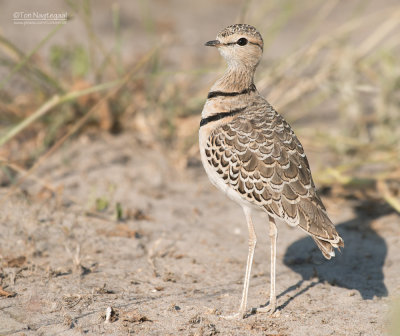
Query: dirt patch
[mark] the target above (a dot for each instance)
(175, 260)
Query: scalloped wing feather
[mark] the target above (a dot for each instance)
(260, 157)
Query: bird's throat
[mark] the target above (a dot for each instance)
(235, 79)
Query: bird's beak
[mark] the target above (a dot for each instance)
(214, 43)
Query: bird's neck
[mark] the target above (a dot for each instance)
(235, 79)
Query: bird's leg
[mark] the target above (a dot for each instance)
(252, 246)
(273, 233)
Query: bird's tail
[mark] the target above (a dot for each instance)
(326, 247)
(315, 221)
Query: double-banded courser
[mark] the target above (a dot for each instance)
(252, 154)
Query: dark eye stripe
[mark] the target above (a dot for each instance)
(254, 43)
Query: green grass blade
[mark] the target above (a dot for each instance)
(50, 104)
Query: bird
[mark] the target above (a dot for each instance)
(253, 156)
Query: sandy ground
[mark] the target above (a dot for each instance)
(176, 261)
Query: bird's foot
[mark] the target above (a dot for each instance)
(270, 309)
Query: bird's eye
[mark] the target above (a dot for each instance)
(242, 41)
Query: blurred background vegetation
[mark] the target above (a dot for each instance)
(332, 68)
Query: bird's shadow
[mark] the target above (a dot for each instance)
(359, 266)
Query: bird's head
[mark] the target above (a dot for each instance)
(240, 44)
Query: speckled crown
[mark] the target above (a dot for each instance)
(240, 28)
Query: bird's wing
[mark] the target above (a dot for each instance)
(259, 156)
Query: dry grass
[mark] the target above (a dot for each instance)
(348, 76)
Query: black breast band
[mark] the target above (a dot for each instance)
(213, 94)
(220, 115)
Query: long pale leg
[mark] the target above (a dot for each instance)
(273, 234)
(252, 246)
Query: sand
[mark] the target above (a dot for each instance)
(175, 261)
